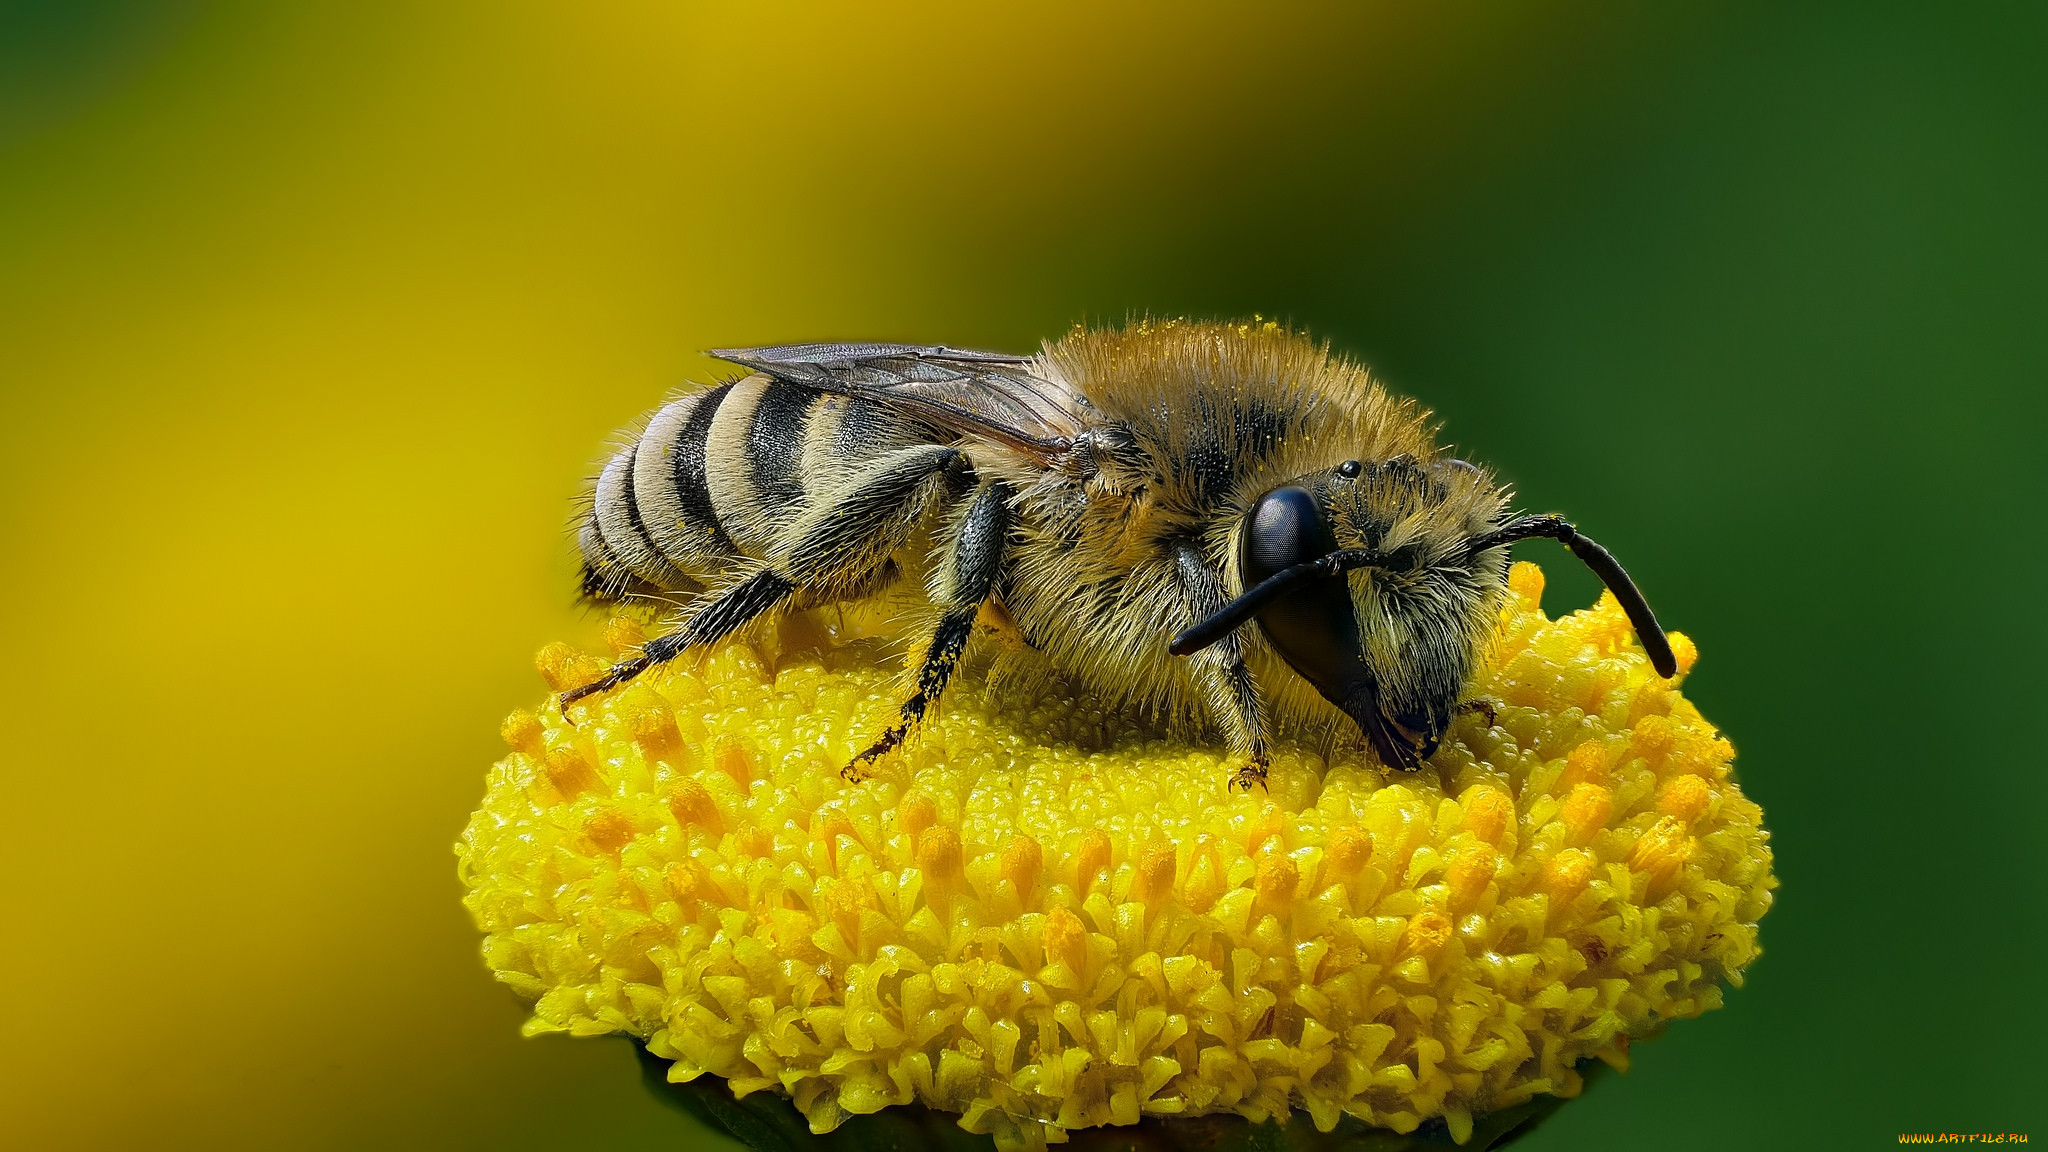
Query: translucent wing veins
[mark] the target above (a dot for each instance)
(1001, 397)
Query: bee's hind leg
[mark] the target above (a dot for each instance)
(835, 546)
(973, 562)
(715, 621)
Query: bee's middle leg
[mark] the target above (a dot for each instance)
(974, 561)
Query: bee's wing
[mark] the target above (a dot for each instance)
(1003, 398)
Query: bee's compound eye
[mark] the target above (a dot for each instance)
(1350, 469)
(1285, 529)
(1314, 628)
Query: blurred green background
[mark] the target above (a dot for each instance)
(313, 316)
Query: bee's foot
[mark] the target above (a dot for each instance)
(1249, 775)
(1483, 707)
(857, 770)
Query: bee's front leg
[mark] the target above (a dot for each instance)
(1482, 706)
(1233, 694)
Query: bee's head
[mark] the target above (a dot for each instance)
(1390, 643)
(1378, 583)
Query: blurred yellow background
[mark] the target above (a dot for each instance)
(314, 316)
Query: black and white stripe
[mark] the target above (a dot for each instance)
(716, 475)
(625, 535)
(669, 482)
(752, 496)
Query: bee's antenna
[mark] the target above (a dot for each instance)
(1604, 565)
(1233, 615)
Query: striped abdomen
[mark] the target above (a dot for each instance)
(715, 475)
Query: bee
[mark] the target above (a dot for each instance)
(1130, 499)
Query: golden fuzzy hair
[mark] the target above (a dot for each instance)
(1096, 496)
(1219, 414)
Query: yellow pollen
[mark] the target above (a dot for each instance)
(1685, 650)
(623, 636)
(556, 663)
(1587, 764)
(608, 828)
(1614, 628)
(1470, 872)
(734, 762)
(693, 806)
(568, 771)
(833, 827)
(1659, 854)
(1349, 850)
(918, 814)
(1525, 581)
(1205, 877)
(681, 882)
(1023, 860)
(1155, 874)
(649, 720)
(844, 903)
(1653, 736)
(1268, 830)
(522, 732)
(1586, 811)
(1566, 876)
(1652, 702)
(756, 842)
(1275, 882)
(792, 929)
(1090, 858)
(1426, 935)
(1684, 797)
(938, 854)
(1042, 913)
(563, 667)
(1066, 940)
(1488, 813)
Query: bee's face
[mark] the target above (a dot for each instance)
(1391, 644)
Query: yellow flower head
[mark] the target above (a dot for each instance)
(1042, 917)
